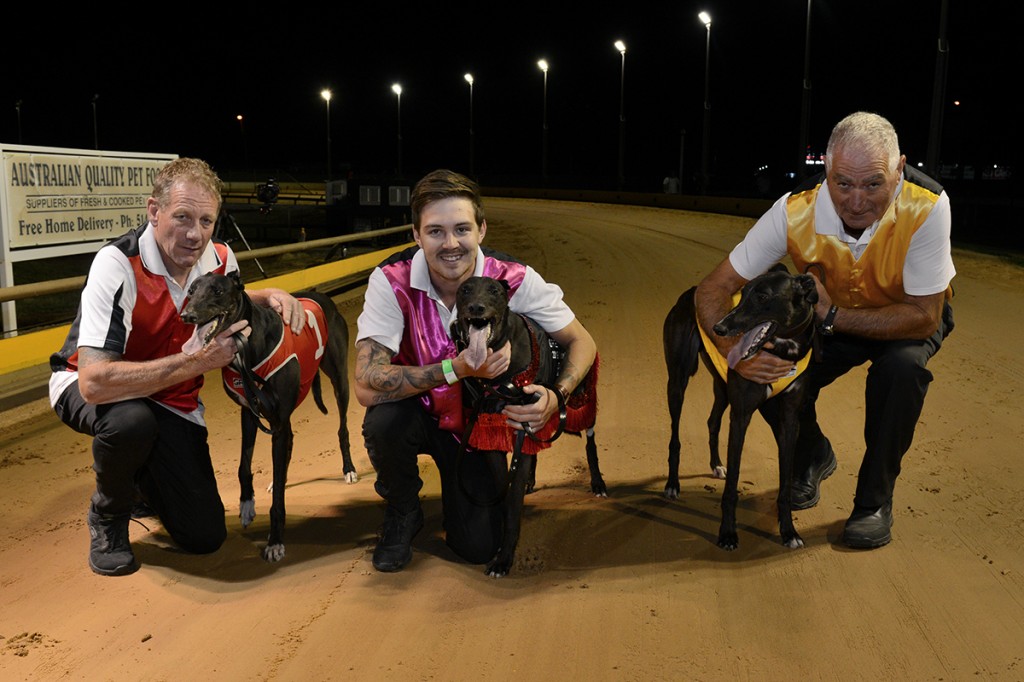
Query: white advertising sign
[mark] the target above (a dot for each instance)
(62, 198)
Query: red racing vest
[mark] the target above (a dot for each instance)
(307, 348)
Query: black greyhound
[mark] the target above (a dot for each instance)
(776, 307)
(485, 321)
(269, 377)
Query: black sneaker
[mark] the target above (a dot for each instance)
(806, 489)
(394, 549)
(110, 553)
(869, 528)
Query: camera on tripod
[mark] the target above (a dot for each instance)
(267, 192)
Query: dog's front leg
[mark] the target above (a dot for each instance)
(502, 562)
(786, 434)
(743, 400)
(282, 454)
(715, 425)
(247, 506)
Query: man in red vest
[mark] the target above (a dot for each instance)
(875, 234)
(123, 378)
(408, 372)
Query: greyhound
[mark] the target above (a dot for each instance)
(485, 321)
(270, 377)
(776, 307)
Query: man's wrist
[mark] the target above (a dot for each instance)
(828, 324)
(449, 372)
(562, 391)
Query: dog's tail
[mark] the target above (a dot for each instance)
(318, 397)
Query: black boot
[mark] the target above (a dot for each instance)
(394, 549)
(869, 528)
(806, 489)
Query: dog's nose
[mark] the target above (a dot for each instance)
(720, 329)
(475, 309)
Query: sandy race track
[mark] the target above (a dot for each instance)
(631, 587)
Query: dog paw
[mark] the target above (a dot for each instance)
(599, 489)
(794, 542)
(351, 477)
(672, 492)
(247, 512)
(729, 541)
(273, 553)
(718, 472)
(499, 566)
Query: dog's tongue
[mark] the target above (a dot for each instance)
(476, 351)
(196, 343)
(748, 345)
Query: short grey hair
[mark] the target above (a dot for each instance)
(867, 131)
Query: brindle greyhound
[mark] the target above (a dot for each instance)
(270, 376)
(775, 307)
(485, 322)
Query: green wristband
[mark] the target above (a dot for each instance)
(449, 372)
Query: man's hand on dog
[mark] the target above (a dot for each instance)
(288, 307)
(221, 349)
(535, 415)
(764, 368)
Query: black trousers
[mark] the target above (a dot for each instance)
(894, 393)
(139, 447)
(396, 434)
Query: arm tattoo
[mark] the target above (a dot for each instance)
(392, 382)
(374, 368)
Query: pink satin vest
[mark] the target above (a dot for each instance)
(425, 340)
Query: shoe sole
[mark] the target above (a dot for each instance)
(866, 543)
(127, 569)
(829, 470)
(391, 568)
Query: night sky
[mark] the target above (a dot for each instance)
(177, 87)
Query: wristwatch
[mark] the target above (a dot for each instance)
(828, 325)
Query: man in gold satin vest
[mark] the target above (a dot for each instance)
(875, 234)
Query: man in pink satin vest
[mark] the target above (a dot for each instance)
(408, 372)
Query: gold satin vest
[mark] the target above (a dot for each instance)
(876, 278)
(721, 363)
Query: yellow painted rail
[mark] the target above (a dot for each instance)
(33, 349)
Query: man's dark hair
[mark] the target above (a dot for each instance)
(444, 184)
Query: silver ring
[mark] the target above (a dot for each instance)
(527, 427)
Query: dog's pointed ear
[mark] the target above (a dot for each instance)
(807, 287)
(504, 283)
(236, 278)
